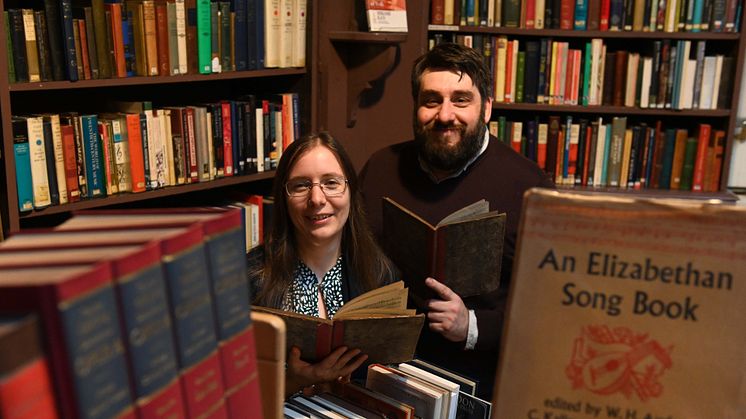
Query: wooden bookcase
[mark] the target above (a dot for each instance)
(92, 95)
(732, 44)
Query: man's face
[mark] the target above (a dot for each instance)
(449, 119)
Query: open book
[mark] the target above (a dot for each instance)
(463, 251)
(377, 322)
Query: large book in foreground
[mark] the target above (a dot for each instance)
(377, 322)
(632, 306)
(463, 251)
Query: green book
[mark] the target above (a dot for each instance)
(501, 122)
(204, 37)
(687, 170)
(586, 74)
(519, 77)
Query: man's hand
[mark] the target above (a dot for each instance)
(448, 314)
(338, 364)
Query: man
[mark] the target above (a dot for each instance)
(453, 162)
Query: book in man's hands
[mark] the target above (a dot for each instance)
(463, 251)
(377, 322)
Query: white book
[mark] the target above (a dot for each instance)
(59, 157)
(596, 45)
(514, 71)
(450, 386)
(259, 116)
(427, 402)
(708, 80)
(287, 33)
(539, 19)
(165, 122)
(388, 16)
(716, 81)
(599, 162)
(300, 10)
(502, 49)
(317, 408)
(38, 157)
(687, 86)
(336, 408)
(181, 38)
(289, 412)
(647, 72)
(631, 85)
(490, 13)
(272, 30)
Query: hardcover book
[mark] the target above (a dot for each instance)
(615, 302)
(377, 322)
(463, 251)
(386, 15)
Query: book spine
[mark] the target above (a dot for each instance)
(163, 58)
(49, 151)
(148, 334)
(21, 154)
(71, 167)
(227, 136)
(38, 158)
(94, 173)
(204, 36)
(185, 265)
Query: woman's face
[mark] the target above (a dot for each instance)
(318, 219)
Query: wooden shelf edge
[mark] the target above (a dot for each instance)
(725, 196)
(136, 197)
(564, 33)
(622, 110)
(368, 37)
(138, 81)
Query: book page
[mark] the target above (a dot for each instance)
(392, 296)
(467, 212)
(625, 305)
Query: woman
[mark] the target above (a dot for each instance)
(319, 253)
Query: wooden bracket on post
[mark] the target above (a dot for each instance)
(368, 56)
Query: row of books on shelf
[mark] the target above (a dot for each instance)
(580, 15)
(673, 75)
(406, 390)
(153, 37)
(61, 158)
(142, 314)
(583, 152)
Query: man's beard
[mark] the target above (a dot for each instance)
(441, 156)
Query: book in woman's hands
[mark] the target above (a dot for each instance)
(463, 251)
(377, 322)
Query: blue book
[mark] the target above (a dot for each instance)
(241, 31)
(23, 166)
(237, 146)
(128, 38)
(649, 157)
(581, 15)
(664, 181)
(259, 33)
(68, 39)
(251, 33)
(94, 170)
(697, 15)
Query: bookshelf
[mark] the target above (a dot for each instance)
(94, 96)
(727, 44)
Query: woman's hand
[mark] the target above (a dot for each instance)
(338, 364)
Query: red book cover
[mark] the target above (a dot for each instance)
(603, 18)
(530, 21)
(115, 13)
(567, 14)
(541, 150)
(437, 12)
(225, 113)
(107, 157)
(84, 51)
(587, 154)
(509, 73)
(161, 30)
(700, 160)
(25, 384)
(137, 165)
(71, 165)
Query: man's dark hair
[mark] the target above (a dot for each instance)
(457, 58)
